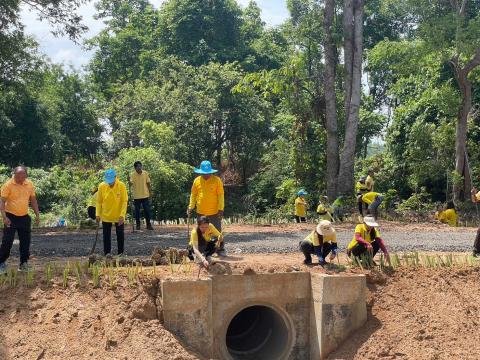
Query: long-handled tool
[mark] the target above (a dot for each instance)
(96, 238)
(132, 205)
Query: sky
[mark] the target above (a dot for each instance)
(62, 50)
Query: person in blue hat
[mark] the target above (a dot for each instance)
(208, 198)
(301, 207)
(112, 200)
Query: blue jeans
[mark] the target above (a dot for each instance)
(372, 208)
(146, 209)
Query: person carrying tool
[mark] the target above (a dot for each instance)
(16, 195)
(202, 243)
(372, 201)
(208, 198)
(367, 240)
(141, 186)
(448, 216)
(323, 210)
(321, 242)
(301, 207)
(92, 203)
(361, 189)
(112, 200)
(476, 244)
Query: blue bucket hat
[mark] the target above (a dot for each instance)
(205, 168)
(302, 193)
(110, 176)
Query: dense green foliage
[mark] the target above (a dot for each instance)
(198, 79)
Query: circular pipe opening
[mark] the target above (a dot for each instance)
(257, 332)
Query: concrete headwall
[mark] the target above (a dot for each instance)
(338, 309)
(319, 310)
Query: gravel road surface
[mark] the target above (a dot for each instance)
(68, 244)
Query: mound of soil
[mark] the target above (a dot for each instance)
(423, 314)
(102, 324)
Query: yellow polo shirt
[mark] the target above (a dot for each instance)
(366, 235)
(211, 233)
(17, 196)
(112, 201)
(315, 240)
(139, 185)
(300, 207)
(448, 216)
(207, 196)
(369, 197)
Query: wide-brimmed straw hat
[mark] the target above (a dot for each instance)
(370, 221)
(325, 228)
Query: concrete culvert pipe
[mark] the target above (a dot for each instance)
(256, 333)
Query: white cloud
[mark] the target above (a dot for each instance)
(63, 50)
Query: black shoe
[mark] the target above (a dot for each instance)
(476, 254)
(150, 227)
(307, 261)
(138, 227)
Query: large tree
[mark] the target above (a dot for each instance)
(452, 28)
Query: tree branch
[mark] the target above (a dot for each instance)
(473, 63)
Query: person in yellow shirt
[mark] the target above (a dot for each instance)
(321, 242)
(141, 186)
(476, 245)
(92, 203)
(16, 195)
(367, 240)
(361, 189)
(301, 207)
(373, 201)
(370, 182)
(324, 211)
(112, 200)
(208, 198)
(202, 242)
(448, 216)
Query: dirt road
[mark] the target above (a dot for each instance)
(253, 239)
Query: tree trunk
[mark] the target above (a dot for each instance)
(348, 23)
(461, 191)
(347, 159)
(330, 101)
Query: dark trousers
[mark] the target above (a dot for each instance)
(216, 221)
(308, 249)
(107, 237)
(91, 212)
(300, 219)
(476, 244)
(22, 225)
(146, 209)
(206, 250)
(360, 249)
(373, 207)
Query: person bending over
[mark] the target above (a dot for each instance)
(373, 201)
(448, 216)
(202, 242)
(321, 242)
(367, 240)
